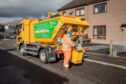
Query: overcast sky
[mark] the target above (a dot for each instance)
(16, 9)
(24, 8)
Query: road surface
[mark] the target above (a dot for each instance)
(17, 69)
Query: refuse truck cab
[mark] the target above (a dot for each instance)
(41, 38)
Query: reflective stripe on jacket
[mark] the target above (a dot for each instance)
(78, 33)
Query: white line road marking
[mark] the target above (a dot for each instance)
(105, 63)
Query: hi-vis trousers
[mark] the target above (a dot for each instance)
(67, 57)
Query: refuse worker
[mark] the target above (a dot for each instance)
(67, 45)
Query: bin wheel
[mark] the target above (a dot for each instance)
(43, 56)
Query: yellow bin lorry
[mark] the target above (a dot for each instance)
(40, 37)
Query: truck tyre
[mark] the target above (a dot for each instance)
(21, 49)
(43, 56)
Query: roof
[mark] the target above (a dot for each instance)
(78, 3)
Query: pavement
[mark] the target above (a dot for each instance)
(97, 47)
(17, 69)
(103, 49)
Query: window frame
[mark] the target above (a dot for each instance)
(79, 9)
(99, 4)
(98, 35)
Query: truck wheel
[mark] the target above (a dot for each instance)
(22, 50)
(43, 56)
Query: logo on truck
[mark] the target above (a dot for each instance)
(45, 30)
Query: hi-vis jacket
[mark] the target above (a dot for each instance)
(67, 43)
(79, 33)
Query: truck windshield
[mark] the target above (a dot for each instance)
(18, 28)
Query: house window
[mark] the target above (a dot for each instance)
(100, 8)
(80, 12)
(77, 12)
(99, 32)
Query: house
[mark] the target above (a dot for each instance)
(107, 19)
(2, 30)
(9, 29)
